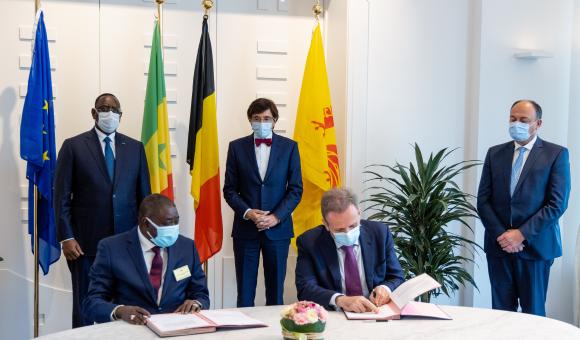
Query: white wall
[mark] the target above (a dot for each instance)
(439, 72)
(442, 73)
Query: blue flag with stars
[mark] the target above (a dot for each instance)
(37, 148)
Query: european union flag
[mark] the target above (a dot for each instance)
(37, 147)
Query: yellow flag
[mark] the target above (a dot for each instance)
(316, 138)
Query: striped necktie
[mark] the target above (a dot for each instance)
(517, 169)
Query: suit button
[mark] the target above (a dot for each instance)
(160, 309)
(114, 196)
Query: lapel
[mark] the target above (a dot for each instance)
(120, 158)
(168, 279)
(328, 250)
(365, 243)
(134, 248)
(274, 153)
(249, 146)
(532, 157)
(505, 167)
(94, 146)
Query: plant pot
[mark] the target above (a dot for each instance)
(292, 331)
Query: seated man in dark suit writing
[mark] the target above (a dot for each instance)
(149, 269)
(347, 263)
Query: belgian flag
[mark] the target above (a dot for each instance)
(203, 153)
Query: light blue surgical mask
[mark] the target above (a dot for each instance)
(349, 238)
(166, 235)
(519, 131)
(262, 129)
(108, 121)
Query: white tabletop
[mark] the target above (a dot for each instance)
(467, 324)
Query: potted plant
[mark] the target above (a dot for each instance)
(419, 202)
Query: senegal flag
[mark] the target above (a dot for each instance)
(155, 128)
(316, 138)
(203, 153)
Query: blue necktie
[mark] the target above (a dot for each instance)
(517, 169)
(109, 158)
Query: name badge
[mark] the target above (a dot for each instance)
(181, 273)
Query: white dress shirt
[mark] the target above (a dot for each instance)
(262, 159)
(148, 254)
(101, 135)
(361, 272)
(528, 147)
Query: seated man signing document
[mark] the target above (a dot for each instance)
(147, 270)
(347, 262)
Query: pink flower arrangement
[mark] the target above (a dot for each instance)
(305, 312)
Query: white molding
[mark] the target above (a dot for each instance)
(357, 94)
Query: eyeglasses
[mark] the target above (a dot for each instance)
(106, 108)
(262, 120)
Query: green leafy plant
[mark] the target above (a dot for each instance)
(419, 201)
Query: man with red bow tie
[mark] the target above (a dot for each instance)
(263, 185)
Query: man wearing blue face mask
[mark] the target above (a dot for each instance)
(523, 192)
(263, 185)
(100, 180)
(346, 263)
(147, 270)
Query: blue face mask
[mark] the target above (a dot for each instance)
(349, 238)
(262, 130)
(166, 235)
(519, 131)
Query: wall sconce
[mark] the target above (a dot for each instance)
(533, 54)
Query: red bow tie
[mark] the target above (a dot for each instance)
(267, 141)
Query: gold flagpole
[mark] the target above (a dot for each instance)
(160, 18)
(317, 10)
(36, 272)
(207, 6)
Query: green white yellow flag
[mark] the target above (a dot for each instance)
(155, 128)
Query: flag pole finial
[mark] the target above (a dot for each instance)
(207, 6)
(317, 9)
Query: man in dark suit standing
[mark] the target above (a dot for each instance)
(101, 178)
(347, 262)
(147, 270)
(263, 185)
(523, 192)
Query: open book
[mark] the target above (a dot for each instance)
(205, 321)
(402, 303)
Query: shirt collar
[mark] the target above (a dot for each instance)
(102, 135)
(528, 146)
(146, 245)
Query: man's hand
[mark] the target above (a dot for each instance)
(511, 240)
(267, 221)
(132, 314)
(357, 304)
(380, 296)
(71, 249)
(255, 214)
(515, 249)
(188, 306)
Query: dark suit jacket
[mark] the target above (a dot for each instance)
(279, 193)
(539, 200)
(119, 277)
(88, 206)
(317, 270)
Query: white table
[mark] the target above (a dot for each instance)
(467, 324)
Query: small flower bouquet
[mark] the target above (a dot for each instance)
(303, 320)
